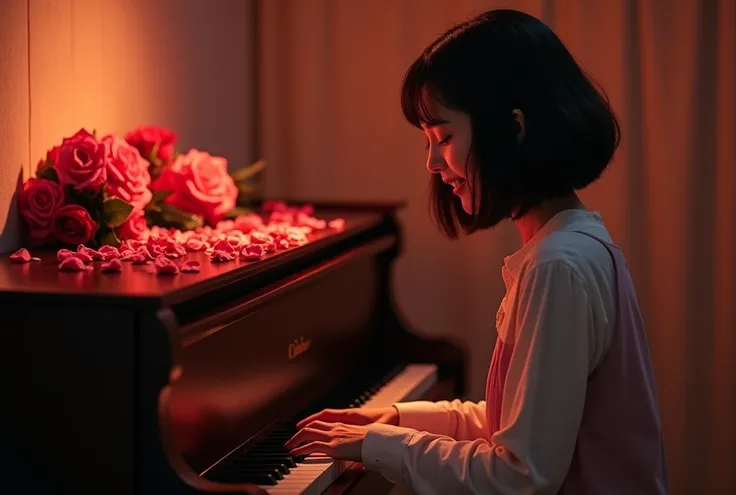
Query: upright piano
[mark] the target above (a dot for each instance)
(137, 383)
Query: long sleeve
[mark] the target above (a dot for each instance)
(542, 405)
(461, 420)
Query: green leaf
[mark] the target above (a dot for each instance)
(105, 236)
(49, 173)
(116, 212)
(237, 211)
(166, 215)
(154, 150)
(160, 196)
(246, 189)
(249, 171)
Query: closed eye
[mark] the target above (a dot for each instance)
(441, 142)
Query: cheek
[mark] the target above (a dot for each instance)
(456, 161)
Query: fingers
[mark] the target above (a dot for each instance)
(307, 435)
(323, 425)
(328, 416)
(311, 448)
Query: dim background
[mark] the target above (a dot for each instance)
(313, 87)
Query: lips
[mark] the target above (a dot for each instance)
(456, 183)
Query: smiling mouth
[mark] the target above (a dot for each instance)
(456, 185)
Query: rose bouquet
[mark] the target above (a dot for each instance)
(85, 191)
(101, 191)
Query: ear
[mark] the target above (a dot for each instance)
(519, 124)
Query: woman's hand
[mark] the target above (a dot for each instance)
(337, 440)
(338, 433)
(357, 416)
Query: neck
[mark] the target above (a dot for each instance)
(536, 218)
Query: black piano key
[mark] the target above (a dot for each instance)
(268, 461)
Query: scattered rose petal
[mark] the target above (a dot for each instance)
(191, 266)
(164, 266)
(109, 252)
(35, 259)
(72, 264)
(114, 265)
(21, 256)
(283, 244)
(139, 259)
(224, 246)
(270, 247)
(143, 251)
(195, 245)
(63, 254)
(252, 252)
(82, 256)
(336, 224)
(260, 237)
(93, 254)
(171, 269)
(219, 255)
(162, 260)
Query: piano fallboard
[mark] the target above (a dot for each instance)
(137, 383)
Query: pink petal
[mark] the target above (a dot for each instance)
(82, 256)
(63, 254)
(72, 264)
(219, 255)
(170, 269)
(191, 266)
(21, 256)
(336, 224)
(114, 265)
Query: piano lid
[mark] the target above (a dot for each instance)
(136, 284)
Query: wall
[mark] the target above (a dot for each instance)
(112, 65)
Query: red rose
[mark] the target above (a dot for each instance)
(127, 172)
(145, 138)
(37, 202)
(81, 161)
(200, 184)
(134, 227)
(73, 225)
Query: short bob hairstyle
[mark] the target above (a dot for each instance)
(486, 67)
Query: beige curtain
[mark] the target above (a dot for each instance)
(330, 126)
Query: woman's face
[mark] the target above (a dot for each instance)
(448, 145)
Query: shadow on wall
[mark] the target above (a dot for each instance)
(11, 231)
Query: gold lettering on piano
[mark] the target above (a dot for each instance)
(299, 346)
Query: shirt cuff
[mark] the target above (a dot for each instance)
(420, 415)
(383, 450)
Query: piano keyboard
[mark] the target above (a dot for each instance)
(277, 472)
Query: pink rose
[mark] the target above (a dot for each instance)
(73, 225)
(145, 138)
(134, 227)
(127, 172)
(200, 184)
(37, 202)
(81, 161)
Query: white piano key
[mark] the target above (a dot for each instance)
(318, 472)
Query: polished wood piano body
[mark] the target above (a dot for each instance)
(190, 384)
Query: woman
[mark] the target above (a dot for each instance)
(514, 128)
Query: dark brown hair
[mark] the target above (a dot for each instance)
(488, 66)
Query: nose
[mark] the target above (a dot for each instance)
(435, 162)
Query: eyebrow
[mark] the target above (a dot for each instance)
(436, 122)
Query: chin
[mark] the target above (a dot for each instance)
(466, 205)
